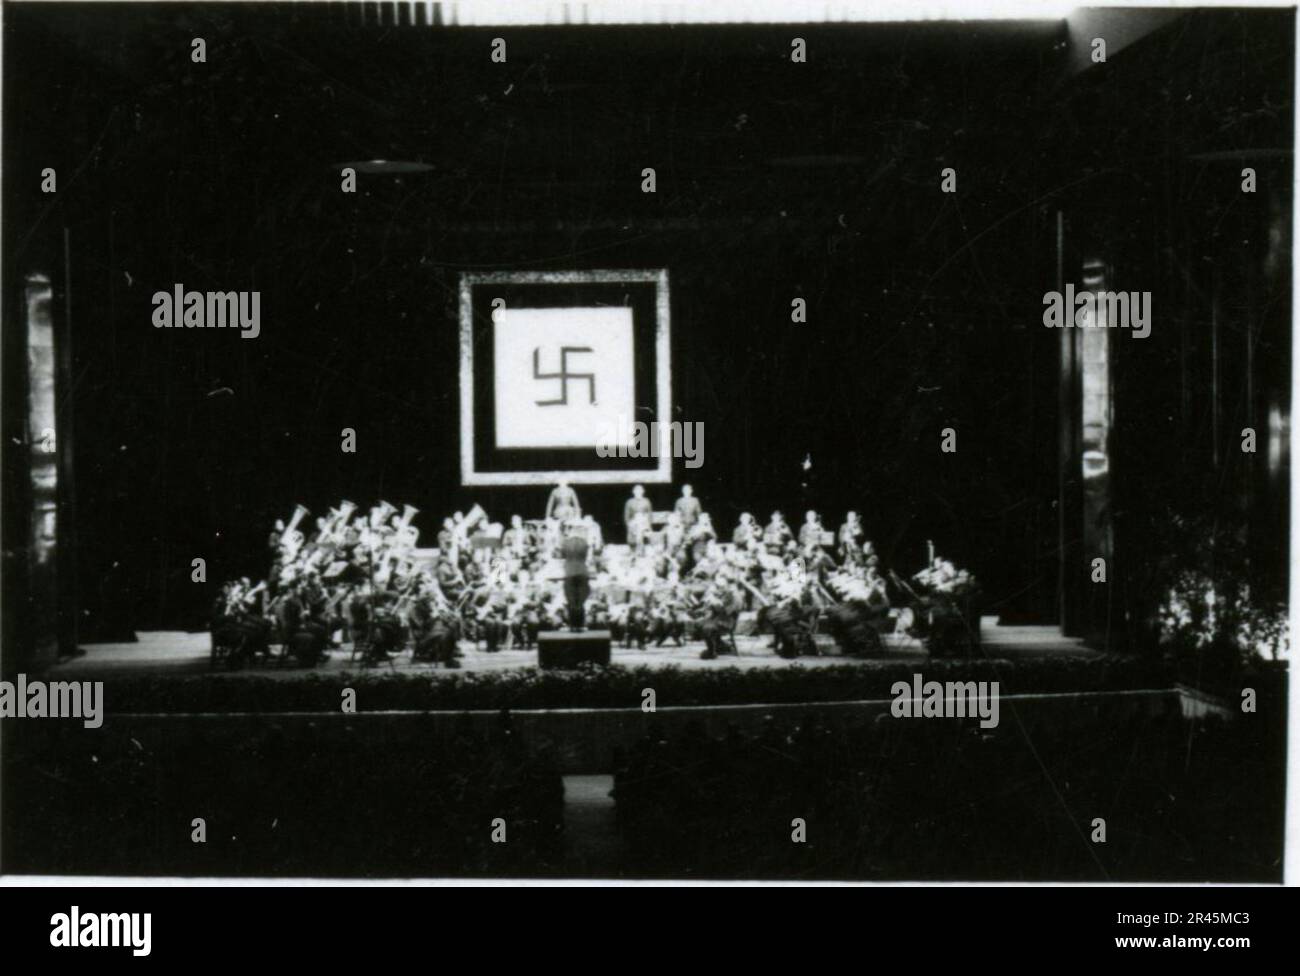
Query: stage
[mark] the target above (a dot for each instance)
(187, 653)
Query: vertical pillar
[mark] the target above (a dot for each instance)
(1068, 490)
(64, 375)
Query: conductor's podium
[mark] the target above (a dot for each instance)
(566, 649)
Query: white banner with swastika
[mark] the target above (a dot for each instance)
(562, 376)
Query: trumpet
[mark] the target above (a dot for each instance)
(246, 599)
(341, 517)
(299, 513)
(379, 514)
(327, 525)
(391, 567)
(407, 535)
(345, 511)
(291, 542)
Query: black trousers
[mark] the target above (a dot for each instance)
(576, 591)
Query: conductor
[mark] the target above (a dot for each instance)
(577, 587)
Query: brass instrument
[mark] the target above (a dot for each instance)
(334, 531)
(335, 521)
(380, 513)
(397, 564)
(291, 530)
(407, 535)
(327, 523)
(384, 571)
(749, 586)
(346, 511)
(258, 589)
(404, 601)
(439, 598)
(292, 545)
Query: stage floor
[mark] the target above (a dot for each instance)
(180, 653)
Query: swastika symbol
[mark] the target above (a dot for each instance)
(564, 376)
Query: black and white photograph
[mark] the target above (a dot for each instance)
(605, 443)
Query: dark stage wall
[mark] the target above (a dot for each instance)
(775, 181)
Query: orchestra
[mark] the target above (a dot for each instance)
(364, 581)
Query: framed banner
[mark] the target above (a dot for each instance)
(556, 369)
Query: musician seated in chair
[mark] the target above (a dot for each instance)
(701, 537)
(447, 539)
(530, 623)
(420, 621)
(435, 635)
(300, 622)
(637, 627)
(386, 637)
(450, 580)
(554, 612)
(746, 533)
(494, 625)
(810, 533)
(311, 637)
(445, 636)
(715, 629)
(818, 563)
(674, 537)
(239, 633)
(515, 539)
(617, 617)
(849, 534)
(668, 621)
(598, 613)
(595, 537)
(776, 533)
(791, 626)
(289, 613)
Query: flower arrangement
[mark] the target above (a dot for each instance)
(1265, 632)
(1197, 613)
